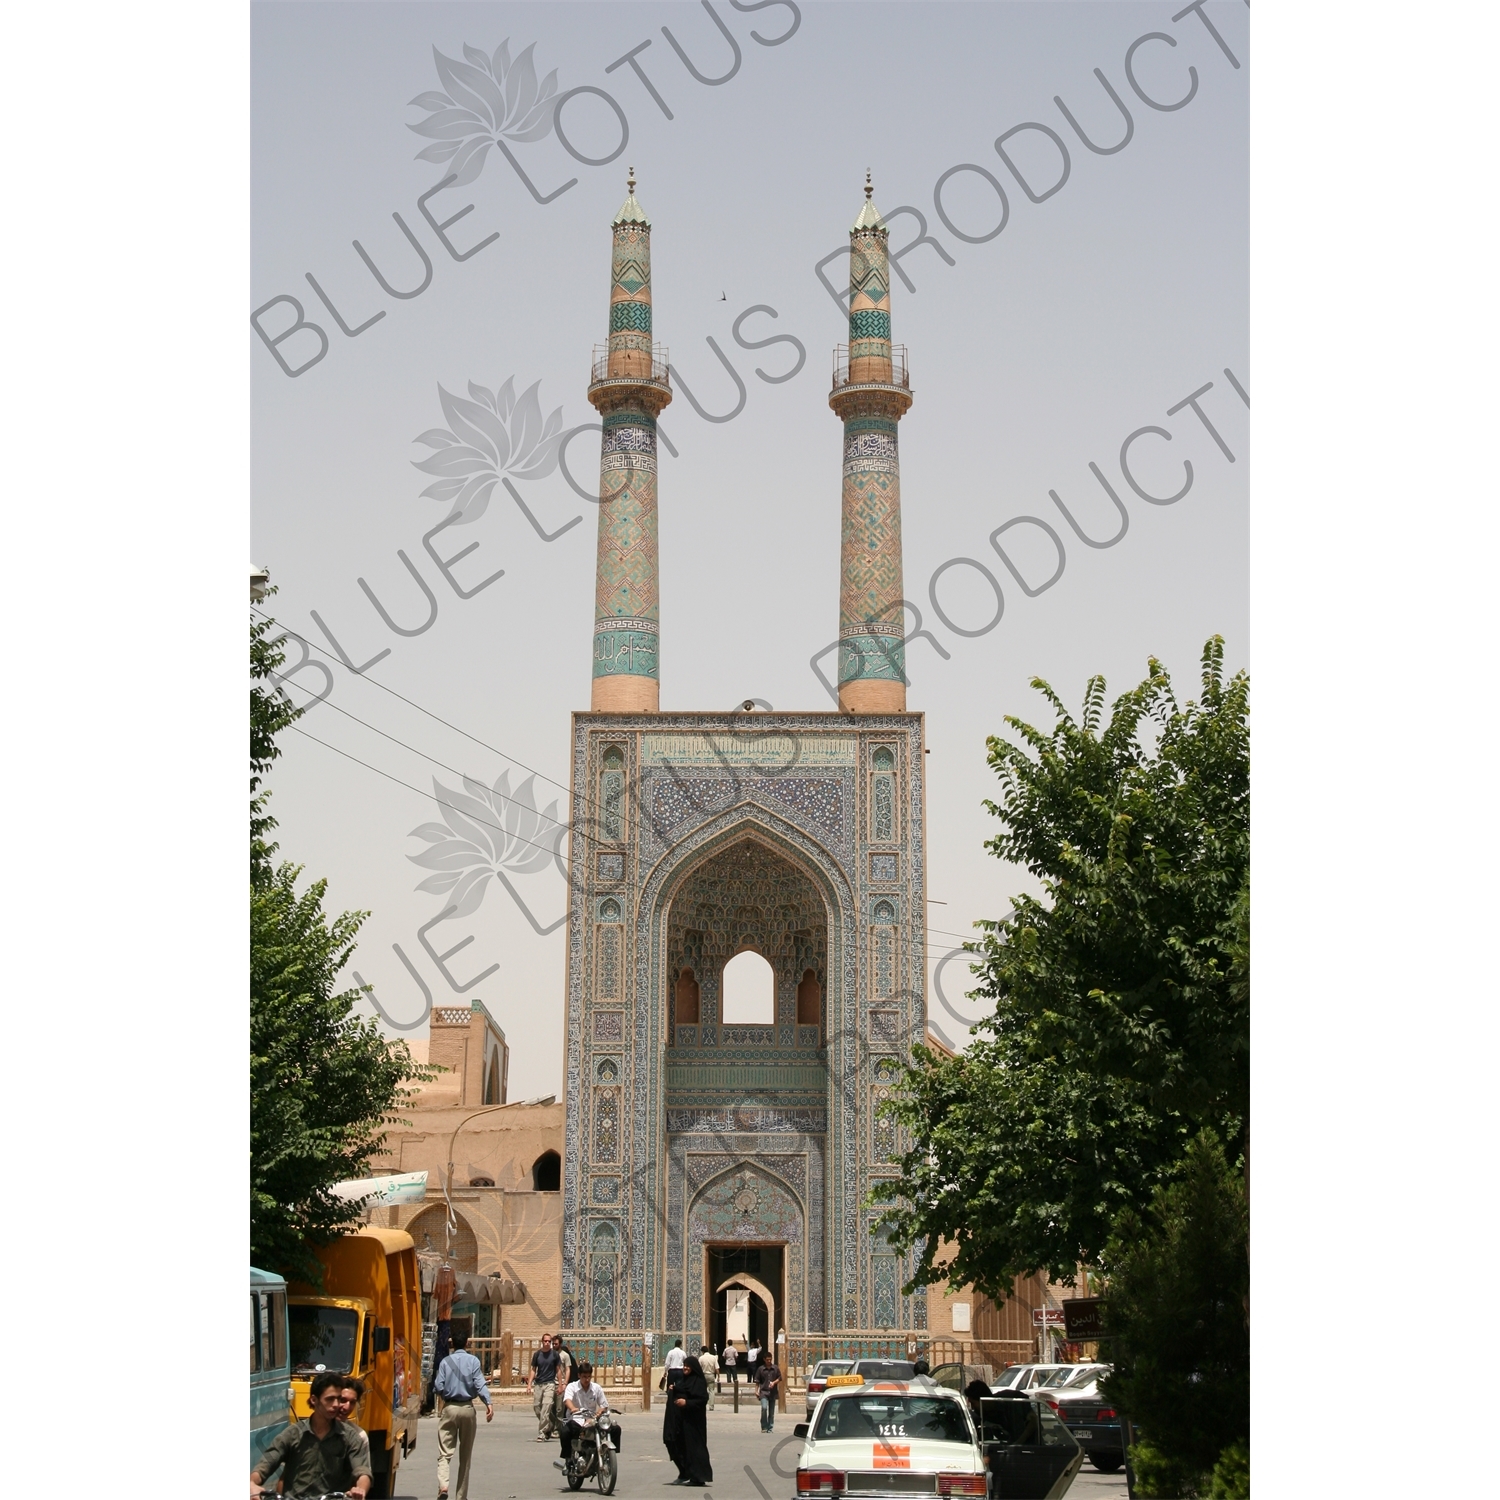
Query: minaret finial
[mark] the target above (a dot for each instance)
(869, 186)
(630, 182)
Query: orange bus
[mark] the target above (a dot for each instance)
(366, 1320)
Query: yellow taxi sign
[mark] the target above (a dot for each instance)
(850, 1379)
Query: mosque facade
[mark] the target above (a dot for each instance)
(701, 1151)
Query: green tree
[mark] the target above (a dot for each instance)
(270, 712)
(324, 1084)
(1121, 1021)
(1177, 1319)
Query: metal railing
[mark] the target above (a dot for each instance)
(618, 1358)
(634, 364)
(857, 370)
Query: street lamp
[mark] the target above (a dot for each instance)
(260, 581)
(451, 1222)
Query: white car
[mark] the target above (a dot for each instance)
(1084, 1381)
(1030, 1377)
(863, 1436)
(817, 1382)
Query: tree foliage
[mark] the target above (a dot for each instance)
(1121, 1020)
(270, 712)
(1177, 1319)
(323, 1083)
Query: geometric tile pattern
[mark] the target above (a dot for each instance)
(871, 620)
(627, 610)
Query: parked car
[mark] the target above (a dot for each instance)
(1029, 1452)
(817, 1382)
(1028, 1377)
(957, 1377)
(1093, 1420)
(1083, 1381)
(888, 1435)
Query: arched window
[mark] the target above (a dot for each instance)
(546, 1172)
(809, 1000)
(612, 793)
(687, 998)
(492, 1082)
(749, 991)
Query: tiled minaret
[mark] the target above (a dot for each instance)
(629, 388)
(871, 394)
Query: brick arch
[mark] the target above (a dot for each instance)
(464, 1246)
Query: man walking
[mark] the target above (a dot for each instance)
(458, 1383)
(542, 1383)
(731, 1365)
(768, 1384)
(321, 1455)
(708, 1362)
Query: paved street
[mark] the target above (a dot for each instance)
(748, 1465)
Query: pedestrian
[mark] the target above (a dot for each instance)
(731, 1362)
(920, 1367)
(542, 1383)
(752, 1360)
(564, 1379)
(321, 1455)
(675, 1357)
(671, 1424)
(459, 1382)
(708, 1362)
(974, 1393)
(768, 1383)
(692, 1402)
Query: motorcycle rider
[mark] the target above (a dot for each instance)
(324, 1452)
(582, 1402)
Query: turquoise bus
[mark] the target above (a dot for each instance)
(270, 1362)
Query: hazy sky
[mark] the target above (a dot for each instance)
(1034, 353)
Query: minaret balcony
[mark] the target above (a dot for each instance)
(884, 379)
(631, 364)
(629, 377)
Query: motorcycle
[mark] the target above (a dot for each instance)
(593, 1456)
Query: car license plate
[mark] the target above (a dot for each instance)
(1082, 1432)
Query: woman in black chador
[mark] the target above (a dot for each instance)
(671, 1424)
(692, 1402)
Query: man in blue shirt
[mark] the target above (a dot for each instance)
(458, 1381)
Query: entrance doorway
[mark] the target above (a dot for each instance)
(765, 1264)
